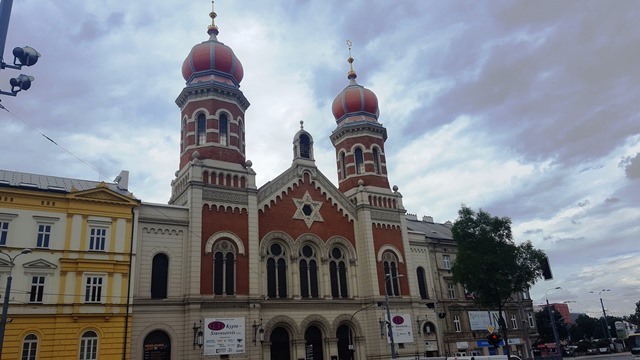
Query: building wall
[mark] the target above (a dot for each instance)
(63, 316)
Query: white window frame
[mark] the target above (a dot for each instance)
(94, 284)
(446, 261)
(88, 346)
(5, 227)
(456, 323)
(530, 318)
(97, 241)
(44, 231)
(4, 232)
(451, 289)
(44, 236)
(98, 224)
(514, 321)
(37, 283)
(29, 347)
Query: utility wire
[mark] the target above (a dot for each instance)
(55, 143)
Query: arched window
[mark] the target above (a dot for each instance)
(201, 129)
(157, 345)
(183, 135)
(422, 283)
(376, 160)
(159, 276)
(224, 265)
(241, 136)
(29, 347)
(390, 264)
(223, 130)
(308, 272)
(345, 342)
(314, 343)
(89, 346)
(359, 162)
(280, 344)
(305, 146)
(428, 328)
(343, 165)
(338, 273)
(276, 271)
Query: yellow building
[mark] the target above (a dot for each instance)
(69, 247)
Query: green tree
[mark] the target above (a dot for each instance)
(635, 317)
(590, 327)
(545, 331)
(488, 262)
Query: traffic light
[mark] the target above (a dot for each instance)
(494, 339)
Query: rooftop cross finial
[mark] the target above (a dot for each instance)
(212, 28)
(351, 74)
(301, 124)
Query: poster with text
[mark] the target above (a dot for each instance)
(402, 329)
(223, 336)
(481, 320)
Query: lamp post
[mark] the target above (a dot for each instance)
(7, 293)
(351, 345)
(552, 319)
(387, 278)
(604, 315)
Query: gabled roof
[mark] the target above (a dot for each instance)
(40, 264)
(54, 183)
(430, 229)
(272, 191)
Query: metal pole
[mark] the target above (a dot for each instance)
(606, 324)
(553, 326)
(390, 327)
(5, 309)
(5, 15)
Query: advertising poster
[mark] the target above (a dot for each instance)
(402, 329)
(480, 320)
(223, 336)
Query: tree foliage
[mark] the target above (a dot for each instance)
(545, 331)
(488, 262)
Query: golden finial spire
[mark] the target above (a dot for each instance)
(351, 74)
(212, 28)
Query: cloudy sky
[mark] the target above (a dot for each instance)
(526, 109)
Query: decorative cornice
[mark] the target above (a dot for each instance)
(211, 88)
(389, 216)
(225, 196)
(284, 183)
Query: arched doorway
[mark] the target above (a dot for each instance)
(157, 345)
(313, 345)
(430, 339)
(345, 343)
(280, 344)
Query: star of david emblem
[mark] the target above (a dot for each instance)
(307, 209)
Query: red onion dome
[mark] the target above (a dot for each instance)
(355, 102)
(212, 60)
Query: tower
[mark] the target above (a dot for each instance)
(212, 125)
(359, 137)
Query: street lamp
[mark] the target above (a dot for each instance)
(552, 319)
(7, 293)
(387, 278)
(604, 315)
(351, 346)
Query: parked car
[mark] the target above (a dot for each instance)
(604, 350)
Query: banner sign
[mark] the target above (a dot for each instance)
(224, 336)
(481, 320)
(402, 329)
